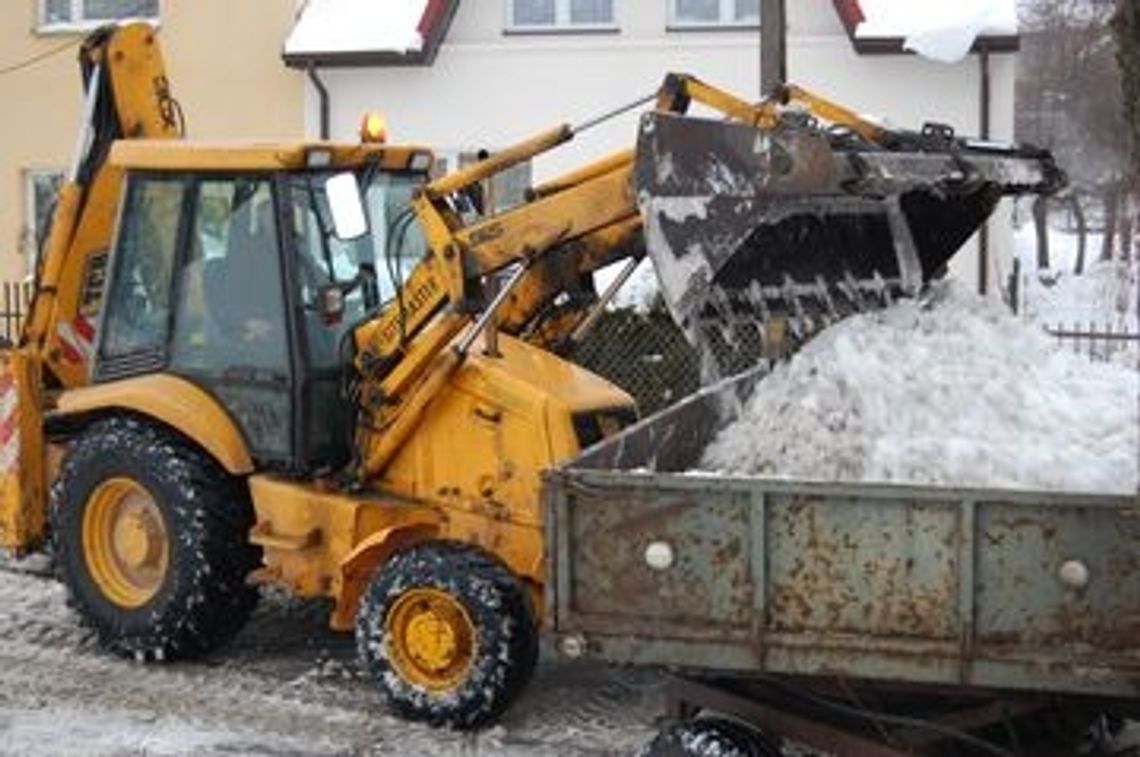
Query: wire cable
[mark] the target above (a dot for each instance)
(29, 62)
(135, 10)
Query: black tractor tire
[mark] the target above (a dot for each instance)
(712, 737)
(203, 598)
(504, 645)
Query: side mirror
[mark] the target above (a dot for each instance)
(346, 206)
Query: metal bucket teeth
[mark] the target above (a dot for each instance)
(736, 325)
(805, 226)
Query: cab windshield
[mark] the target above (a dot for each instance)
(366, 269)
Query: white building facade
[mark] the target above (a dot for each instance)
(502, 70)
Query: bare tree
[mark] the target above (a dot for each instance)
(1082, 231)
(1041, 227)
(1069, 100)
(1126, 30)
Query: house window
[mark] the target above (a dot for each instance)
(686, 14)
(502, 191)
(71, 14)
(560, 15)
(40, 189)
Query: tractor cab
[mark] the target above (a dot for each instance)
(233, 267)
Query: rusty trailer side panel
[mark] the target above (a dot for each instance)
(887, 583)
(1002, 589)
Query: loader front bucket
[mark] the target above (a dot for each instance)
(811, 225)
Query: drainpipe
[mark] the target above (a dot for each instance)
(323, 95)
(984, 231)
(773, 46)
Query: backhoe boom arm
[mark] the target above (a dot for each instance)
(126, 97)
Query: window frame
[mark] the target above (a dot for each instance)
(84, 24)
(108, 365)
(724, 20)
(562, 23)
(29, 239)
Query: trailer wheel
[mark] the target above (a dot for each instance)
(447, 633)
(150, 537)
(712, 737)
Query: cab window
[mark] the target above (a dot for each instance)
(231, 309)
(137, 314)
(367, 269)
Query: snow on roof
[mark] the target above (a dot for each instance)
(943, 31)
(349, 26)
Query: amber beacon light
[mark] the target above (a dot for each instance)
(373, 128)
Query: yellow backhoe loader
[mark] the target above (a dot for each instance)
(306, 364)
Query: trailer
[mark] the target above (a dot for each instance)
(853, 618)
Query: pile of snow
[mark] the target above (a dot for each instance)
(939, 31)
(339, 26)
(949, 390)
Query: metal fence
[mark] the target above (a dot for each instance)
(1101, 343)
(646, 354)
(14, 299)
(642, 352)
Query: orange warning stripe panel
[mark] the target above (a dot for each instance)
(23, 484)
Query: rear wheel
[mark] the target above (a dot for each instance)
(448, 635)
(151, 541)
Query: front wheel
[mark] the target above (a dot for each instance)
(151, 541)
(447, 633)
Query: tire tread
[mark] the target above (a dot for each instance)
(500, 608)
(205, 599)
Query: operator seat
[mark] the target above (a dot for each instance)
(236, 286)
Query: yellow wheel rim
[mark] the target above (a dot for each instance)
(125, 542)
(431, 639)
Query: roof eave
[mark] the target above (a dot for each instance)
(1003, 43)
(437, 20)
(852, 15)
(358, 59)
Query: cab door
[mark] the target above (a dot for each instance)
(231, 331)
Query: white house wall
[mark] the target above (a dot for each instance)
(490, 89)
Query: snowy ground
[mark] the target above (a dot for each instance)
(1106, 295)
(286, 686)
